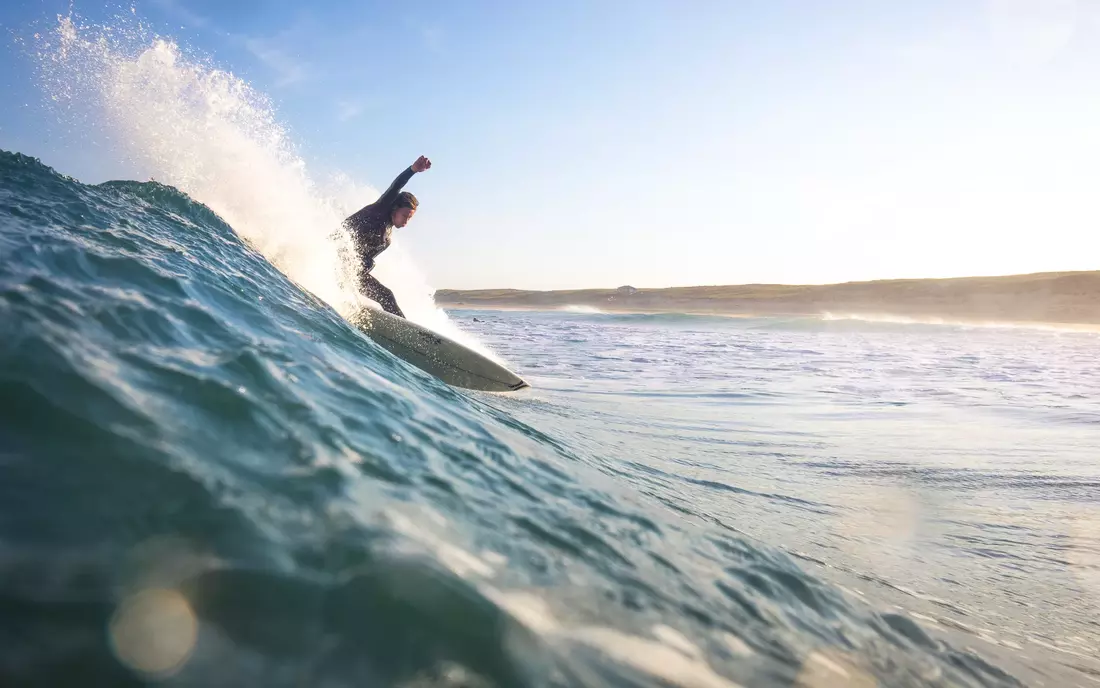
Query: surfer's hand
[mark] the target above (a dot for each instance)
(421, 164)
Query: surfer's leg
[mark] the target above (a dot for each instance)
(378, 292)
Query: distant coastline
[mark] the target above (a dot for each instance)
(1067, 298)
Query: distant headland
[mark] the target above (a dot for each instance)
(1049, 297)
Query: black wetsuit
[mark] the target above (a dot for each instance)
(370, 230)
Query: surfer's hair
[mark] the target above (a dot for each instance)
(405, 200)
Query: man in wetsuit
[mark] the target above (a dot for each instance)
(371, 228)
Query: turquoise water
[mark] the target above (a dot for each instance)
(207, 477)
(944, 471)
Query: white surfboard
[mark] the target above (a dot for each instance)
(433, 353)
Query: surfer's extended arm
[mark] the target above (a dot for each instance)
(390, 195)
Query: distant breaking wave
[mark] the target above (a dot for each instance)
(827, 321)
(580, 308)
(886, 318)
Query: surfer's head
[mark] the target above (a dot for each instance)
(403, 209)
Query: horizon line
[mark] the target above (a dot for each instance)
(1048, 273)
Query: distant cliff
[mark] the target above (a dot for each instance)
(1055, 297)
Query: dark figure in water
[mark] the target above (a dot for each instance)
(371, 228)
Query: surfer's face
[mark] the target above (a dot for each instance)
(401, 216)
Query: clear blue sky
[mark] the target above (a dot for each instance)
(597, 143)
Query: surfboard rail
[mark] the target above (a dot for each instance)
(446, 359)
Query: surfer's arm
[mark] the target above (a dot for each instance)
(390, 195)
(387, 198)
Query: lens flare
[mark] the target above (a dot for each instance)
(153, 632)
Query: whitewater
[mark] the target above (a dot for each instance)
(209, 478)
(183, 122)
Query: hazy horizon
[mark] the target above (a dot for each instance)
(785, 284)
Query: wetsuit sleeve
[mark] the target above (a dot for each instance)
(390, 194)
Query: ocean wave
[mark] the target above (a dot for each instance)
(196, 448)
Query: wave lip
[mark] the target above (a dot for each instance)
(177, 119)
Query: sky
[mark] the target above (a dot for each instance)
(595, 143)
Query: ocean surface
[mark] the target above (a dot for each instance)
(209, 478)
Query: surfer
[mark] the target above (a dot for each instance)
(371, 228)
